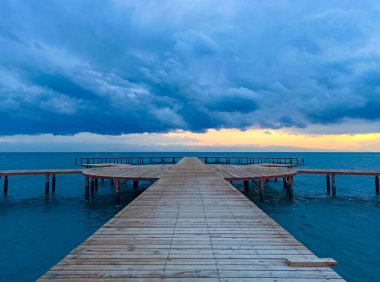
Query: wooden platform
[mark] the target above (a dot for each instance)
(252, 172)
(40, 171)
(126, 172)
(191, 225)
(339, 171)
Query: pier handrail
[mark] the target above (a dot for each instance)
(175, 159)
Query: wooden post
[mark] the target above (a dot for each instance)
(206, 160)
(284, 182)
(6, 185)
(87, 191)
(117, 194)
(328, 183)
(377, 184)
(266, 180)
(47, 186)
(261, 190)
(53, 184)
(135, 184)
(92, 186)
(246, 185)
(96, 184)
(290, 187)
(173, 160)
(111, 182)
(333, 184)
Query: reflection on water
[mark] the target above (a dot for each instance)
(36, 234)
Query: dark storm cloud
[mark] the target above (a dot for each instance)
(114, 67)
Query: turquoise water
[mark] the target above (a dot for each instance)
(36, 234)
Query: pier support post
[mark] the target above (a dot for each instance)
(53, 184)
(266, 180)
(135, 184)
(284, 183)
(102, 180)
(47, 186)
(6, 185)
(87, 191)
(290, 187)
(92, 187)
(377, 184)
(111, 182)
(328, 184)
(117, 193)
(261, 190)
(246, 185)
(96, 184)
(333, 184)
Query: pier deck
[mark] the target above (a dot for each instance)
(191, 225)
(252, 172)
(338, 171)
(39, 171)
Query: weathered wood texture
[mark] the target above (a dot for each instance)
(40, 171)
(339, 171)
(136, 172)
(251, 172)
(191, 225)
(175, 159)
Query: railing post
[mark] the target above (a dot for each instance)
(377, 184)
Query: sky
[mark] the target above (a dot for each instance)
(199, 75)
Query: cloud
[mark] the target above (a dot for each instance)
(115, 67)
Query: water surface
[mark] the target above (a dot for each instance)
(36, 234)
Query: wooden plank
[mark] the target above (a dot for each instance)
(40, 171)
(339, 171)
(321, 262)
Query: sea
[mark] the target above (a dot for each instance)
(36, 234)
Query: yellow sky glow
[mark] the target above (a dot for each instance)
(260, 137)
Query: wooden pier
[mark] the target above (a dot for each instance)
(331, 184)
(138, 173)
(44, 172)
(191, 225)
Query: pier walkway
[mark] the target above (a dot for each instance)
(191, 225)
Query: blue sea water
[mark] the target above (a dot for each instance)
(35, 234)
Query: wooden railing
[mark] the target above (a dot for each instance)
(241, 160)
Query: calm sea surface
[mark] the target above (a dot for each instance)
(35, 234)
